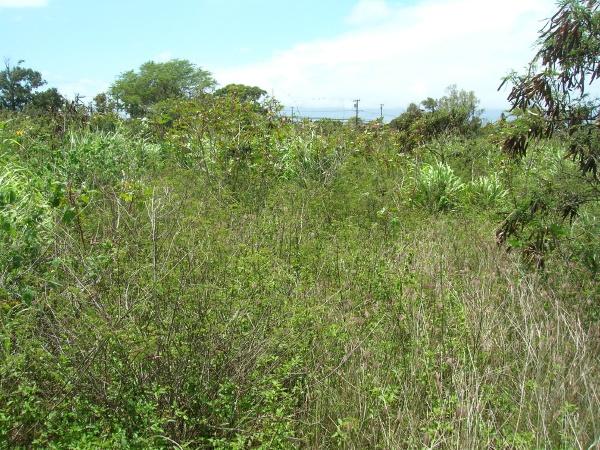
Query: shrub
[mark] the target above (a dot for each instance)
(487, 191)
(585, 240)
(437, 188)
(102, 158)
(25, 221)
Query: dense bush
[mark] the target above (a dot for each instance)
(208, 274)
(215, 277)
(437, 188)
(457, 113)
(26, 220)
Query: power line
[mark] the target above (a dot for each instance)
(341, 114)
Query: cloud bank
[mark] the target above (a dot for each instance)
(396, 54)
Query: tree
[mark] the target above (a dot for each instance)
(430, 104)
(103, 104)
(404, 121)
(249, 94)
(49, 100)
(457, 112)
(136, 92)
(553, 98)
(554, 91)
(17, 86)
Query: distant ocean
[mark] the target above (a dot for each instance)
(366, 114)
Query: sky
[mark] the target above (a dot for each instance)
(312, 54)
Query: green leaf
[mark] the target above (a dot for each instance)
(69, 215)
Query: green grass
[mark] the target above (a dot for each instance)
(293, 296)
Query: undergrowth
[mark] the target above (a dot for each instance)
(218, 285)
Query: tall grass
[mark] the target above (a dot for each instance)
(295, 301)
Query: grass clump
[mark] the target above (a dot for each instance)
(487, 191)
(437, 188)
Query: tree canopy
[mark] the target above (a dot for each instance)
(457, 111)
(49, 100)
(553, 98)
(18, 85)
(137, 91)
(242, 92)
(554, 91)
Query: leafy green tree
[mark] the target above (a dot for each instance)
(555, 90)
(103, 104)
(244, 93)
(136, 92)
(18, 85)
(49, 100)
(404, 121)
(457, 112)
(553, 99)
(430, 104)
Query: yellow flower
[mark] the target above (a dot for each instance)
(20, 133)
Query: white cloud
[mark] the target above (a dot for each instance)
(397, 54)
(369, 11)
(22, 3)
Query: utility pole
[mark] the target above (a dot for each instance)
(381, 112)
(292, 113)
(356, 102)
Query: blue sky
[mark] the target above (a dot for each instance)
(73, 40)
(310, 54)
